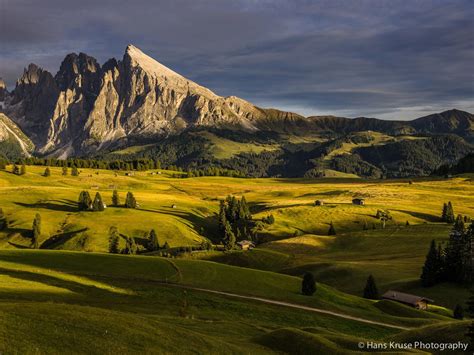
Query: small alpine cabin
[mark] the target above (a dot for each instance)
(407, 299)
(358, 201)
(246, 245)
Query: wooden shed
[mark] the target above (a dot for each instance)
(358, 201)
(246, 245)
(319, 203)
(407, 299)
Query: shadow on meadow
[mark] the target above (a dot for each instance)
(60, 239)
(198, 223)
(53, 205)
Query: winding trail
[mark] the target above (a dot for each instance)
(290, 305)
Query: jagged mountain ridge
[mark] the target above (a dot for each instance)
(87, 108)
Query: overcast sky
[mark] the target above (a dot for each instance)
(388, 59)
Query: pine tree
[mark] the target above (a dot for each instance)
(113, 240)
(459, 224)
(308, 285)
(85, 201)
(64, 170)
(115, 199)
(74, 171)
(332, 230)
(370, 291)
(36, 231)
(98, 204)
(153, 243)
(47, 172)
(3, 220)
(229, 237)
(166, 246)
(458, 312)
(450, 213)
(429, 275)
(444, 213)
(23, 169)
(130, 201)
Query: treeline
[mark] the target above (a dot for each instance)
(454, 262)
(464, 165)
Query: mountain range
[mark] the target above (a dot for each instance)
(88, 109)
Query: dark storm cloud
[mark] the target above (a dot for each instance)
(394, 59)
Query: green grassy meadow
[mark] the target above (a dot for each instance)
(66, 299)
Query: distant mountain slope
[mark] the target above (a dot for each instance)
(87, 108)
(13, 142)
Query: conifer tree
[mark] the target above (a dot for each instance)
(229, 237)
(98, 204)
(130, 201)
(444, 213)
(85, 201)
(3, 220)
(166, 246)
(64, 170)
(459, 224)
(47, 172)
(23, 169)
(113, 240)
(36, 231)
(115, 199)
(450, 213)
(370, 291)
(74, 171)
(430, 272)
(332, 230)
(153, 243)
(308, 285)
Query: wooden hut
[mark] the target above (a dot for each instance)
(407, 299)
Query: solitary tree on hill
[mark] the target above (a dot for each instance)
(47, 172)
(370, 291)
(74, 171)
(115, 199)
(332, 230)
(308, 285)
(36, 231)
(113, 240)
(130, 201)
(23, 169)
(98, 204)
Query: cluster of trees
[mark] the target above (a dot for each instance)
(85, 203)
(19, 170)
(131, 246)
(454, 262)
(447, 215)
(118, 164)
(234, 221)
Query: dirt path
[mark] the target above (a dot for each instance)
(291, 305)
